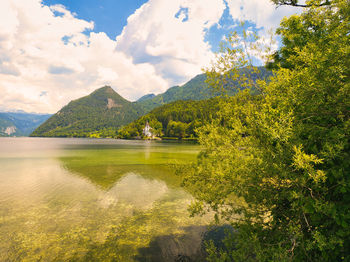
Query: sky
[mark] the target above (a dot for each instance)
(55, 51)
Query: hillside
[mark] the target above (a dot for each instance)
(20, 124)
(146, 97)
(103, 109)
(197, 89)
(177, 119)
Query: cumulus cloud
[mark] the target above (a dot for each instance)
(47, 49)
(48, 56)
(170, 35)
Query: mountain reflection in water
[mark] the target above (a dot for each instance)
(96, 200)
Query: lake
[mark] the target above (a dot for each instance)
(96, 200)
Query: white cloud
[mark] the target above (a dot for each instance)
(48, 50)
(107, 74)
(174, 45)
(44, 50)
(263, 13)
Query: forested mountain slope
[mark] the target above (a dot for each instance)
(104, 111)
(198, 89)
(177, 119)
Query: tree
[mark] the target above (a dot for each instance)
(276, 165)
(176, 129)
(296, 3)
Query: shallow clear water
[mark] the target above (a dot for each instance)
(95, 200)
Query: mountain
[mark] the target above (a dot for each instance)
(198, 89)
(195, 89)
(146, 97)
(103, 109)
(20, 123)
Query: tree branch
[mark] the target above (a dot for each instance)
(295, 3)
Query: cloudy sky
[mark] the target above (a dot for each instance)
(54, 51)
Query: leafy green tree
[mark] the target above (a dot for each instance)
(276, 165)
(157, 127)
(176, 129)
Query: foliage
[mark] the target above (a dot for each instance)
(178, 119)
(181, 118)
(297, 4)
(276, 165)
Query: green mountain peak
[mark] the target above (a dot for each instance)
(105, 109)
(104, 90)
(102, 109)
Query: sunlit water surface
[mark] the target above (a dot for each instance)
(95, 200)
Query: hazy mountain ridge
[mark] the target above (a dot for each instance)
(20, 123)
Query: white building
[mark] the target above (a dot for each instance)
(147, 130)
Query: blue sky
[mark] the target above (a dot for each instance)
(54, 51)
(109, 16)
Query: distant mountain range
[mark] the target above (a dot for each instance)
(20, 123)
(105, 111)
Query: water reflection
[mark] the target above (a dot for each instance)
(134, 190)
(82, 200)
